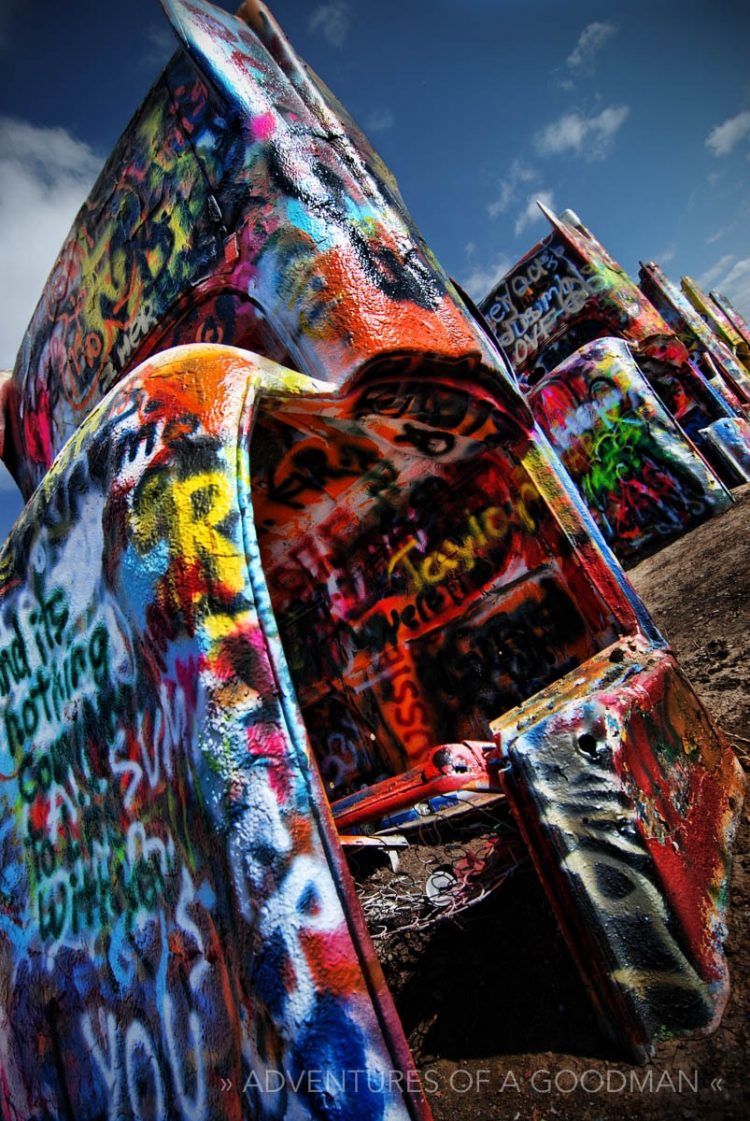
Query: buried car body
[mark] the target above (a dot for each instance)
(297, 558)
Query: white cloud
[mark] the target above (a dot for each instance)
(45, 174)
(590, 42)
(480, 281)
(379, 120)
(731, 275)
(332, 20)
(725, 136)
(736, 285)
(519, 173)
(590, 137)
(161, 45)
(663, 257)
(719, 268)
(531, 212)
(720, 233)
(50, 153)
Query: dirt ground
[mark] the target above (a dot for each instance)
(495, 1013)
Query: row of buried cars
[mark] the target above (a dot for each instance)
(643, 390)
(300, 573)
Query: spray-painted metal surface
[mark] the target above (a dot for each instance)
(720, 323)
(239, 206)
(627, 800)
(728, 442)
(200, 618)
(420, 567)
(693, 331)
(737, 320)
(568, 291)
(176, 912)
(640, 478)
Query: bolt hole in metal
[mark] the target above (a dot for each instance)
(588, 745)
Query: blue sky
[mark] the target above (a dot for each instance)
(635, 114)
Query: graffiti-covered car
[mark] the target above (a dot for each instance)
(568, 291)
(641, 478)
(297, 563)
